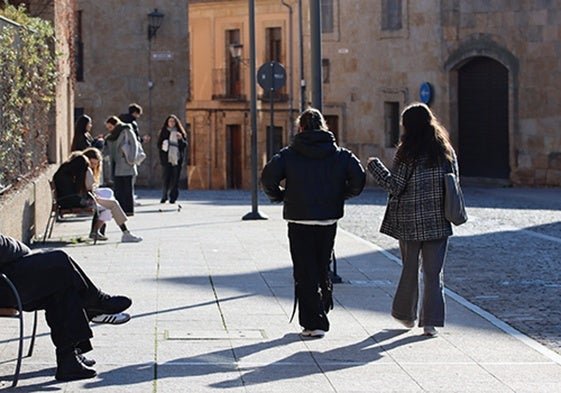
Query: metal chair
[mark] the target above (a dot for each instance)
(58, 212)
(18, 313)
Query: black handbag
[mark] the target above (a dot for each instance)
(454, 203)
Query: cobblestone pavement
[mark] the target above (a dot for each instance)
(506, 259)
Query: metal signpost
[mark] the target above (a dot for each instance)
(271, 77)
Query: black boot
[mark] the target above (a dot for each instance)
(83, 359)
(69, 368)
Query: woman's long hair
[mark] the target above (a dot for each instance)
(93, 152)
(81, 131)
(423, 135)
(178, 125)
(76, 167)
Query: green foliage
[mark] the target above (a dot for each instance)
(28, 75)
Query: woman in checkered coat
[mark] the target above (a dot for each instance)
(415, 214)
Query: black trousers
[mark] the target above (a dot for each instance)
(310, 248)
(170, 181)
(52, 281)
(123, 188)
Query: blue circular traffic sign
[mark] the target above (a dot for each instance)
(271, 76)
(425, 93)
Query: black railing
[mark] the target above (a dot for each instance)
(227, 85)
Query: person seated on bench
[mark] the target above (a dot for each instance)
(75, 179)
(109, 206)
(70, 183)
(51, 280)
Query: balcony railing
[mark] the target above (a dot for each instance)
(227, 85)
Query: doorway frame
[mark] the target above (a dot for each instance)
(484, 47)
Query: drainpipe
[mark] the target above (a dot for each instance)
(315, 41)
(301, 43)
(291, 68)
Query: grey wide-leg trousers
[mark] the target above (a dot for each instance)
(432, 254)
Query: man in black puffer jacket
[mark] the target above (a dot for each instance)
(319, 176)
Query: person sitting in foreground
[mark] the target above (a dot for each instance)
(109, 207)
(51, 280)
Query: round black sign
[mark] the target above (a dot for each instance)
(271, 76)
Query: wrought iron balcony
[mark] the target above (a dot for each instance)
(228, 84)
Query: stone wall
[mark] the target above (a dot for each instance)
(122, 66)
(24, 210)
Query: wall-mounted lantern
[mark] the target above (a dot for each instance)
(155, 19)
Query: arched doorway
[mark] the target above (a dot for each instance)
(483, 119)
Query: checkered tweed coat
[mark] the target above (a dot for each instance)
(415, 209)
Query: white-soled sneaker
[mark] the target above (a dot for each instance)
(112, 319)
(130, 238)
(429, 331)
(318, 333)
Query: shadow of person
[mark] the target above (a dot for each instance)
(294, 366)
(50, 385)
(230, 361)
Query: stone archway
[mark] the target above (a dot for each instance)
(484, 108)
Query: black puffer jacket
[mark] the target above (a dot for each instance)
(319, 177)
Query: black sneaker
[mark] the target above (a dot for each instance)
(107, 304)
(69, 368)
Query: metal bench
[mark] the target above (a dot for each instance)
(58, 212)
(17, 313)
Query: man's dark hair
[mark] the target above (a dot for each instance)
(135, 108)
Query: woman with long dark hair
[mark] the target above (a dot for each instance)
(82, 137)
(172, 142)
(415, 214)
(70, 182)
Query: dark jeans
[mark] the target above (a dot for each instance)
(170, 181)
(124, 192)
(310, 248)
(52, 281)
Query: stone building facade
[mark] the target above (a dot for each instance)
(489, 70)
(493, 70)
(118, 64)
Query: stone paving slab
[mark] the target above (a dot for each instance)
(212, 301)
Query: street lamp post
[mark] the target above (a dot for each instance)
(254, 214)
(155, 19)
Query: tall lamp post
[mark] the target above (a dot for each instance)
(155, 19)
(254, 213)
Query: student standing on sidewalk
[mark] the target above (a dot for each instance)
(319, 176)
(415, 214)
(172, 141)
(121, 147)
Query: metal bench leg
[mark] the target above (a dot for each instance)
(49, 228)
(33, 333)
(20, 317)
